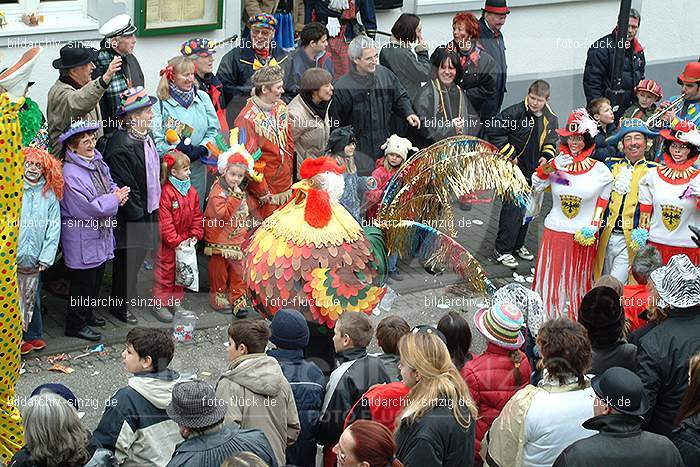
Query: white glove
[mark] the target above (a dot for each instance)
(338, 5)
(694, 187)
(563, 161)
(333, 27)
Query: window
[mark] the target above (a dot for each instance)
(423, 7)
(58, 16)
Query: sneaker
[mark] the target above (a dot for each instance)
(26, 348)
(395, 276)
(37, 344)
(507, 260)
(524, 254)
(162, 314)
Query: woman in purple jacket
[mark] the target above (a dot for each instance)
(88, 207)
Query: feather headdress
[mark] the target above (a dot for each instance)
(236, 145)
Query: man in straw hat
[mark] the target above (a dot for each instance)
(619, 404)
(76, 95)
(664, 352)
(265, 122)
(200, 416)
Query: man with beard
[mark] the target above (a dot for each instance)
(119, 41)
(615, 252)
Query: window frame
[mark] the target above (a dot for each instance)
(431, 7)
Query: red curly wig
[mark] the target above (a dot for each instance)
(471, 24)
(53, 170)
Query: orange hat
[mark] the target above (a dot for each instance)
(691, 73)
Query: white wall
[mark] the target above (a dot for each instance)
(547, 40)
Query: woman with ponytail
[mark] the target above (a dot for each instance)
(503, 369)
(366, 444)
(437, 425)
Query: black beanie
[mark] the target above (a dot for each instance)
(339, 138)
(602, 315)
(289, 329)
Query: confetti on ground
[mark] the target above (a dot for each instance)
(477, 222)
(95, 373)
(61, 369)
(98, 348)
(58, 358)
(443, 306)
(206, 373)
(80, 356)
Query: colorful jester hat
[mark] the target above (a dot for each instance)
(312, 254)
(224, 153)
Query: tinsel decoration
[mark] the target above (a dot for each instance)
(559, 177)
(437, 248)
(30, 120)
(422, 188)
(638, 238)
(585, 236)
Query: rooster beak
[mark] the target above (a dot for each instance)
(302, 185)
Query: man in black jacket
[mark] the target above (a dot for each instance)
(618, 407)
(367, 98)
(599, 64)
(663, 353)
(494, 15)
(524, 133)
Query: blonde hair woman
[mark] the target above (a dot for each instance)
(440, 410)
(184, 108)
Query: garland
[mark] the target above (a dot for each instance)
(30, 120)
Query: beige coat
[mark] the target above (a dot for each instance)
(67, 104)
(259, 396)
(309, 131)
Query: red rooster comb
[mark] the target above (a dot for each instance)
(311, 167)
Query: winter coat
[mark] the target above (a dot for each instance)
(368, 103)
(514, 129)
(135, 425)
(620, 441)
(382, 175)
(687, 439)
(478, 79)
(126, 158)
(411, 68)
(100, 457)
(259, 396)
(310, 132)
(492, 383)
(495, 45)
(84, 243)
(39, 226)
(212, 448)
(355, 375)
(66, 104)
(599, 65)
(663, 356)
(621, 353)
(308, 386)
(436, 121)
(391, 364)
(201, 116)
(603, 149)
(296, 64)
(436, 439)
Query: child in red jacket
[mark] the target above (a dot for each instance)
(180, 220)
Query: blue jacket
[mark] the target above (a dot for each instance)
(39, 227)
(308, 386)
(297, 63)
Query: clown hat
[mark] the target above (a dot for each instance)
(15, 79)
(579, 123)
(631, 125)
(650, 86)
(691, 73)
(683, 132)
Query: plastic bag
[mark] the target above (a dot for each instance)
(186, 271)
(534, 206)
(27, 285)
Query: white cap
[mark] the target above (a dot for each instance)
(120, 25)
(397, 145)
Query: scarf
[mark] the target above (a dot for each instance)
(319, 109)
(184, 98)
(183, 186)
(466, 56)
(69, 81)
(99, 176)
(262, 53)
(153, 187)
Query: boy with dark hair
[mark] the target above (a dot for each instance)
(290, 334)
(311, 53)
(524, 133)
(256, 392)
(357, 372)
(135, 425)
(389, 331)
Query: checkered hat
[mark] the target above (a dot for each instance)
(195, 405)
(678, 283)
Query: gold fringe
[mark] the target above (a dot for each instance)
(226, 251)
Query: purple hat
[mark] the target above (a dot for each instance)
(198, 46)
(501, 324)
(77, 127)
(133, 99)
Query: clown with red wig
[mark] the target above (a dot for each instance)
(39, 234)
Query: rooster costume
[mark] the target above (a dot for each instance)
(565, 262)
(313, 253)
(267, 127)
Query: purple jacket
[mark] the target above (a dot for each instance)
(87, 220)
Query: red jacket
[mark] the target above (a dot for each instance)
(374, 197)
(635, 299)
(492, 383)
(179, 217)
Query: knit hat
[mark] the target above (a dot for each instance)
(601, 313)
(58, 389)
(195, 405)
(263, 20)
(289, 329)
(501, 324)
(268, 75)
(398, 145)
(678, 283)
(339, 138)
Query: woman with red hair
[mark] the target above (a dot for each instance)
(367, 444)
